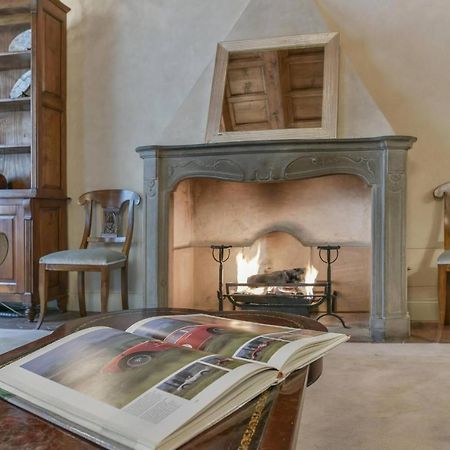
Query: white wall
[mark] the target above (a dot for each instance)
(139, 73)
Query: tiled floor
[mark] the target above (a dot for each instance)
(359, 323)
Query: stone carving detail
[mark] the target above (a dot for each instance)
(266, 174)
(366, 167)
(150, 187)
(218, 168)
(395, 181)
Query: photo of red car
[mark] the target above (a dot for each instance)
(136, 356)
(194, 336)
(259, 349)
(255, 353)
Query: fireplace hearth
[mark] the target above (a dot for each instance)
(380, 162)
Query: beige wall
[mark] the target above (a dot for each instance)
(334, 208)
(398, 48)
(130, 65)
(139, 73)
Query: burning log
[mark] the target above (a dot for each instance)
(287, 276)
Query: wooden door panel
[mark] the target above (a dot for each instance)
(7, 230)
(50, 100)
(12, 268)
(53, 36)
(51, 143)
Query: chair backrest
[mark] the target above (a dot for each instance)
(112, 202)
(443, 191)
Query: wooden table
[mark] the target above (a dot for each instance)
(271, 421)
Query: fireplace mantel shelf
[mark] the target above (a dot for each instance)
(355, 144)
(380, 161)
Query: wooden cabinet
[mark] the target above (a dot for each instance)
(33, 218)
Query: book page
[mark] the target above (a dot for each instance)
(128, 388)
(247, 341)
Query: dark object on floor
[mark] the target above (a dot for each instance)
(11, 311)
(96, 259)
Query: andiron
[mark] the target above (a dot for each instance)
(218, 254)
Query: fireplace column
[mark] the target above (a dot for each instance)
(389, 317)
(156, 232)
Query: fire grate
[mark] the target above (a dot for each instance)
(280, 295)
(287, 293)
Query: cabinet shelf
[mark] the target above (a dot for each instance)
(15, 104)
(17, 193)
(14, 149)
(14, 20)
(8, 7)
(15, 60)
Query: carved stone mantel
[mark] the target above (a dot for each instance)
(380, 161)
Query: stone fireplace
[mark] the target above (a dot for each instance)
(375, 167)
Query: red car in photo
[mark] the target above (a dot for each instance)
(136, 356)
(194, 336)
(255, 353)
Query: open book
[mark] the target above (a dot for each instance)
(162, 381)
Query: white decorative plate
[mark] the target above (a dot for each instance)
(21, 43)
(22, 86)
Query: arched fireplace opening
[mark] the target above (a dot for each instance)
(271, 227)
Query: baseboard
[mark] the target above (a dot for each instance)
(423, 309)
(135, 300)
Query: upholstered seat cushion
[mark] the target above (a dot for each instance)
(444, 258)
(88, 256)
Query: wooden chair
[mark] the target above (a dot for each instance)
(98, 258)
(443, 261)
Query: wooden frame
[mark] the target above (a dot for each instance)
(328, 41)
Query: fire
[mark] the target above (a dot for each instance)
(310, 277)
(248, 265)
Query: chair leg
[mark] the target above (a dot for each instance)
(105, 289)
(62, 304)
(81, 294)
(442, 292)
(124, 286)
(43, 289)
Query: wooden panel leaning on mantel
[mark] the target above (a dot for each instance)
(33, 148)
(276, 88)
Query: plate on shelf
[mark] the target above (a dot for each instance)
(3, 182)
(21, 43)
(22, 86)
